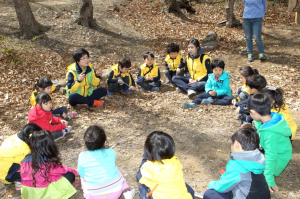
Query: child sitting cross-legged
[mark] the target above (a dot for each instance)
(274, 134)
(244, 176)
(217, 89)
(120, 80)
(149, 75)
(160, 174)
(100, 177)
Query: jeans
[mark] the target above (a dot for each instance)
(170, 74)
(183, 84)
(213, 194)
(252, 27)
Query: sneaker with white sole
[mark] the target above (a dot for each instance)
(250, 58)
(191, 93)
(129, 194)
(187, 105)
(199, 195)
(179, 90)
(207, 101)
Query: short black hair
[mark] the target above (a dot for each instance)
(247, 137)
(147, 54)
(94, 138)
(124, 62)
(80, 53)
(172, 47)
(159, 146)
(261, 103)
(256, 81)
(217, 63)
(42, 98)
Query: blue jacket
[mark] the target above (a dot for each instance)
(244, 176)
(254, 9)
(221, 86)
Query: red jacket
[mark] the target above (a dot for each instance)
(45, 119)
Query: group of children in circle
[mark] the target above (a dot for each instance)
(30, 159)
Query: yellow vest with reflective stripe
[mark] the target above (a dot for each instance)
(117, 72)
(196, 68)
(173, 62)
(152, 73)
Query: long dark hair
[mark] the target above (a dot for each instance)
(29, 129)
(44, 154)
(275, 94)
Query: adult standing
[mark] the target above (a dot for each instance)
(81, 79)
(254, 12)
(199, 66)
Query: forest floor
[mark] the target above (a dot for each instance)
(202, 135)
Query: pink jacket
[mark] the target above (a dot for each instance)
(54, 174)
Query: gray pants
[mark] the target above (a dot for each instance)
(170, 74)
(117, 87)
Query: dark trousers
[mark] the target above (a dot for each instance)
(115, 87)
(70, 176)
(170, 74)
(13, 173)
(75, 98)
(213, 194)
(59, 111)
(148, 85)
(143, 190)
(218, 100)
(183, 84)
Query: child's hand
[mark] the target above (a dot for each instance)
(81, 76)
(132, 88)
(192, 81)
(120, 81)
(178, 70)
(233, 101)
(149, 78)
(64, 122)
(274, 188)
(212, 93)
(237, 111)
(100, 72)
(169, 66)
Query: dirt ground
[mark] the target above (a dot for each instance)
(202, 135)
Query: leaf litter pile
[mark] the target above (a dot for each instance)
(202, 135)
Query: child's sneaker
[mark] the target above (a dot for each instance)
(18, 186)
(199, 195)
(129, 194)
(179, 90)
(250, 58)
(155, 89)
(66, 130)
(109, 93)
(261, 56)
(71, 115)
(168, 82)
(191, 93)
(207, 101)
(187, 105)
(127, 91)
(98, 103)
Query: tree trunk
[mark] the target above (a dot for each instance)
(231, 21)
(28, 25)
(86, 18)
(175, 6)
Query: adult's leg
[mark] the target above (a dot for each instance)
(201, 97)
(249, 35)
(70, 176)
(75, 99)
(213, 194)
(199, 86)
(181, 82)
(190, 190)
(97, 94)
(222, 100)
(256, 27)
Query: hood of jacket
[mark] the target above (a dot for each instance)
(224, 76)
(253, 161)
(200, 51)
(37, 113)
(276, 125)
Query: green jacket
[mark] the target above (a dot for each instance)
(274, 139)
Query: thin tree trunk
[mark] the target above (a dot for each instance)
(231, 21)
(171, 6)
(28, 25)
(86, 18)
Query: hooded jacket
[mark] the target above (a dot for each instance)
(168, 176)
(44, 119)
(12, 151)
(221, 86)
(199, 66)
(274, 139)
(285, 111)
(244, 176)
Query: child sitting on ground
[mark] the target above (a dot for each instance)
(173, 62)
(255, 84)
(278, 106)
(160, 174)
(120, 79)
(149, 75)
(244, 176)
(274, 134)
(243, 93)
(100, 177)
(41, 115)
(44, 84)
(217, 88)
(42, 173)
(12, 151)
